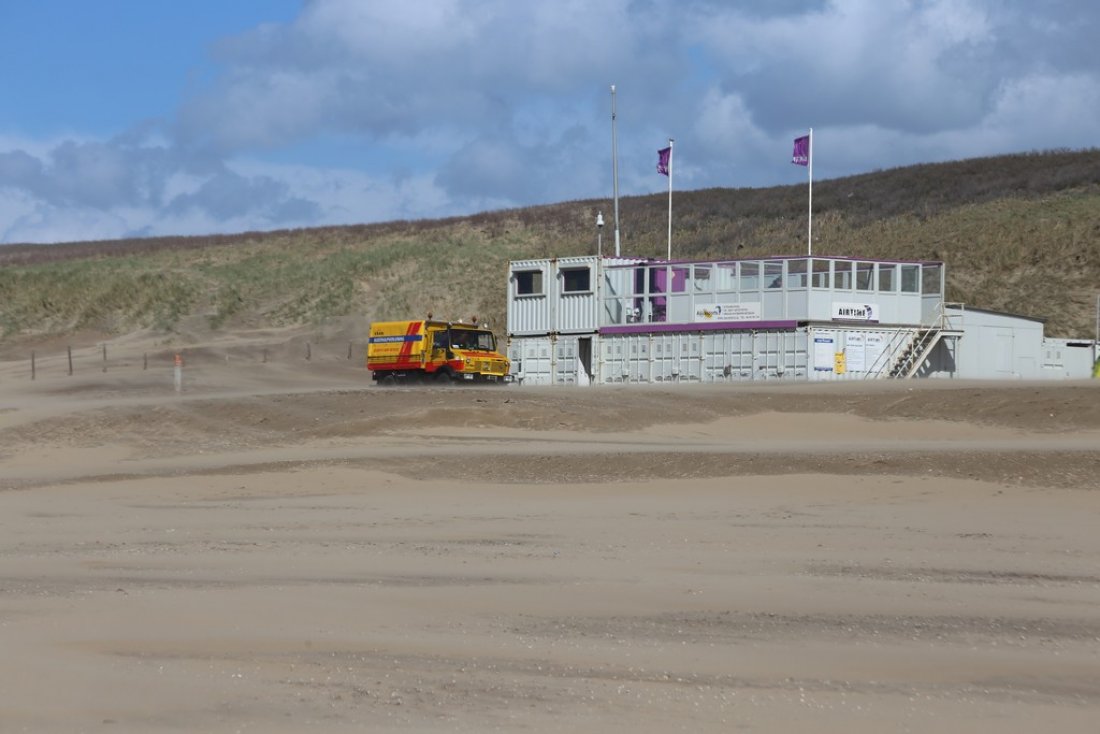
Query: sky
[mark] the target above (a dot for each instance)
(131, 118)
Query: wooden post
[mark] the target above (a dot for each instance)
(32, 365)
(144, 360)
(349, 350)
(104, 357)
(70, 348)
(178, 373)
(309, 353)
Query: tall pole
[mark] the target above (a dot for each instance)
(810, 217)
(615, 168)
(670, 198)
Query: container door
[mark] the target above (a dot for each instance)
(584, 361)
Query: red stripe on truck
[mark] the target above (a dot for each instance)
(406, 347)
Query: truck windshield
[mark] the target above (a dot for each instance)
(468, 339)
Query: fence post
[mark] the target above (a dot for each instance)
(70, 349)
(32, 365)
(309, 353)
(265, 355)
(349, 350)
(144, 360)
(104, 357)
(179, 373)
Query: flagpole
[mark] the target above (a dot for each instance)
(670, 198)
(810, 217)
(615, 169)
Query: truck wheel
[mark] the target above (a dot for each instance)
(443, 377)
(389, 381)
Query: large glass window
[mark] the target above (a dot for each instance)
(930, 279)
(842, 275)
(700, 276)
(529, 283)
(576, 280)
(658, 279)
(679, 279)
(864, 276)
(773, 274)
(820, 277)
(796, 274)
(726, 276)
(886, 278)
(910, 278)
(474, 340)
(750, 276)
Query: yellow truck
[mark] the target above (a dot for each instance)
(441, 351)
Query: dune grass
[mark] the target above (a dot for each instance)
(1018, 233)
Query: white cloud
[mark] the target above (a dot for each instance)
(915, 66)
(1043, 111)
(454, 106)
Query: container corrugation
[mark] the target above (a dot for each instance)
(868, 353)
(727, 356)
(548, 360)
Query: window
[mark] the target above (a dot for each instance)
(930, 279)
(773, 275)
(701, 277)
(796, 273)
(529, 283)
(658, 279)
(750, 276)
(842, 275)
(576, 280)
(679, 279)
(473, 340)
(864, 274)
(820, 277)
(886, 277)
(726, 276)
(910, 275)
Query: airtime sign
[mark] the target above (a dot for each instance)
(855, 311)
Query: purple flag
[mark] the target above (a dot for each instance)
(662, 159)
(801, 155)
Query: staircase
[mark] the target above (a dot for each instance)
(916, 352)
(909, 349)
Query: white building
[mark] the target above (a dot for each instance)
(591, 320)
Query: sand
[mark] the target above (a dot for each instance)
(283, 547)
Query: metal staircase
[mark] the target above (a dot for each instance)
(916, 352)
(909, 348)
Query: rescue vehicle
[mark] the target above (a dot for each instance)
(440, 351)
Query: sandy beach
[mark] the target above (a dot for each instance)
(283, 547)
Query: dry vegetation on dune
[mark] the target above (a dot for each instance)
(1019, 233)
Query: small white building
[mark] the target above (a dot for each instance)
(1006, 346)
(592, 320)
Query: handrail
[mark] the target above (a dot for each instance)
(887, 354)
(903, 355)
(912, 358)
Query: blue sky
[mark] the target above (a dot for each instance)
(126, 118)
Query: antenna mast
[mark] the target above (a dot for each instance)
(615, 168)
